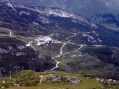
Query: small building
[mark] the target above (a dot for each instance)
(43, 40)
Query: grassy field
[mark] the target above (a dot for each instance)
(86, 83)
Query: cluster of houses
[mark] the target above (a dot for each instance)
(40, 41)
(43, 40)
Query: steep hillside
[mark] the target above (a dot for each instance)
(15, 56)
(104, 12)
(61, 23)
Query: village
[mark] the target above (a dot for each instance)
(41, 40)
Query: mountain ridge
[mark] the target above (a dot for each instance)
(45, 18)
(88, 9)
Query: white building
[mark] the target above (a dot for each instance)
(43, 40)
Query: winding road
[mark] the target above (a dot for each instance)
(57, 62)
(61, 51)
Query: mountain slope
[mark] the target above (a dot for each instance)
(15, 56)
(104, 12)
(45, 20)
(25, 23)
